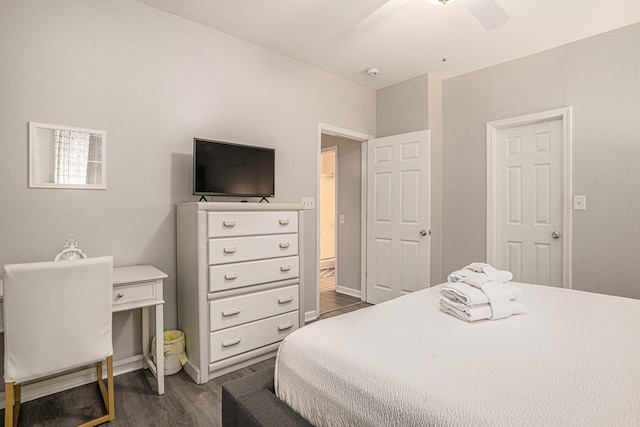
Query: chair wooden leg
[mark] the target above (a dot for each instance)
(8, 404)
(13, 396)
(107, 395)
(112, 401)
(12, 404)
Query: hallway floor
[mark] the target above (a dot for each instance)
(330, 299)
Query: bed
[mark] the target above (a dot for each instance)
(572, 359)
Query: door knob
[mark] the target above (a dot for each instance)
(555, 235)
(424, 232)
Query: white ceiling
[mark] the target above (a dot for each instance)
(410, 41)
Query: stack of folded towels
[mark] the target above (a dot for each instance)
(479, 291)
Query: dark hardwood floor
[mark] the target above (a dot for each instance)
(331, 300)
(184, 403)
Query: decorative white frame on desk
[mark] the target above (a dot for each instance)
(135, 287)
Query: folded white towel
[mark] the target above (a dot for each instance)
(475, 279)
(498, 300)
(500, 276)
(469, 295)
(478, 267)
(474, 313)
(458, 275)
(491, 284)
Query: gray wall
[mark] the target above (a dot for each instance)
(349, 181)
(403, 107)
(154, 81)
(599, 78)
(409, 106)
(435, 126)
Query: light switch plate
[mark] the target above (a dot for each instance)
(341, 218)
(308, 203)
(579, 203)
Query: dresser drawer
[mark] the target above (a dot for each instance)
(236, 340)
(134, 293)
(230, 276)
(238, 249)
(233, 311)
(227, 224)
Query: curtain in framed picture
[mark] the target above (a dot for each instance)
(77, 157)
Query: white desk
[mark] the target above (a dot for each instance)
(134, 287)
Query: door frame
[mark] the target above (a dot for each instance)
(363, 138)
(493, 127)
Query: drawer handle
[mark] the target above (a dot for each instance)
(120, 295)
(285, 267)
(284, 222)
(231, 312)
(229, 223)
(284, 245)
(231, 276)
(229, 343)
(285, 300)
(285, 326)
(229, 250)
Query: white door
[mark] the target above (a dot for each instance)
(398, 215)
(529, 205)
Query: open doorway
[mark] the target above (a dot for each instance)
(340, 224)
(328, 199)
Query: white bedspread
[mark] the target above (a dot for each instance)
(573, 359)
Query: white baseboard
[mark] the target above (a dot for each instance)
(348, 291)
(310, 316)
(327, 263)
(71, 380)
(193, 372)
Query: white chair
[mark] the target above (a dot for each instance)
(57, 317)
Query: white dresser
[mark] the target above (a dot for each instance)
(238, 279)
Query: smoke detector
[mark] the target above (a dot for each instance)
(373, 71)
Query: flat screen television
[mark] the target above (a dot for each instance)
(226, 169)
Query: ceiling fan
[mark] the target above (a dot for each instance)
(488, 12)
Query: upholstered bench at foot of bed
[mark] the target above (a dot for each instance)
(251, 401)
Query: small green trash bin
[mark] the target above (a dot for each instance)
(174, 351)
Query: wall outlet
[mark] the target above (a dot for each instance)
(308, 203)
(341, 218)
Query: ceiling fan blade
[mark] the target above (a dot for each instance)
(487, 12)
(380, 14)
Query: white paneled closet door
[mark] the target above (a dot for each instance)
(530, 202)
